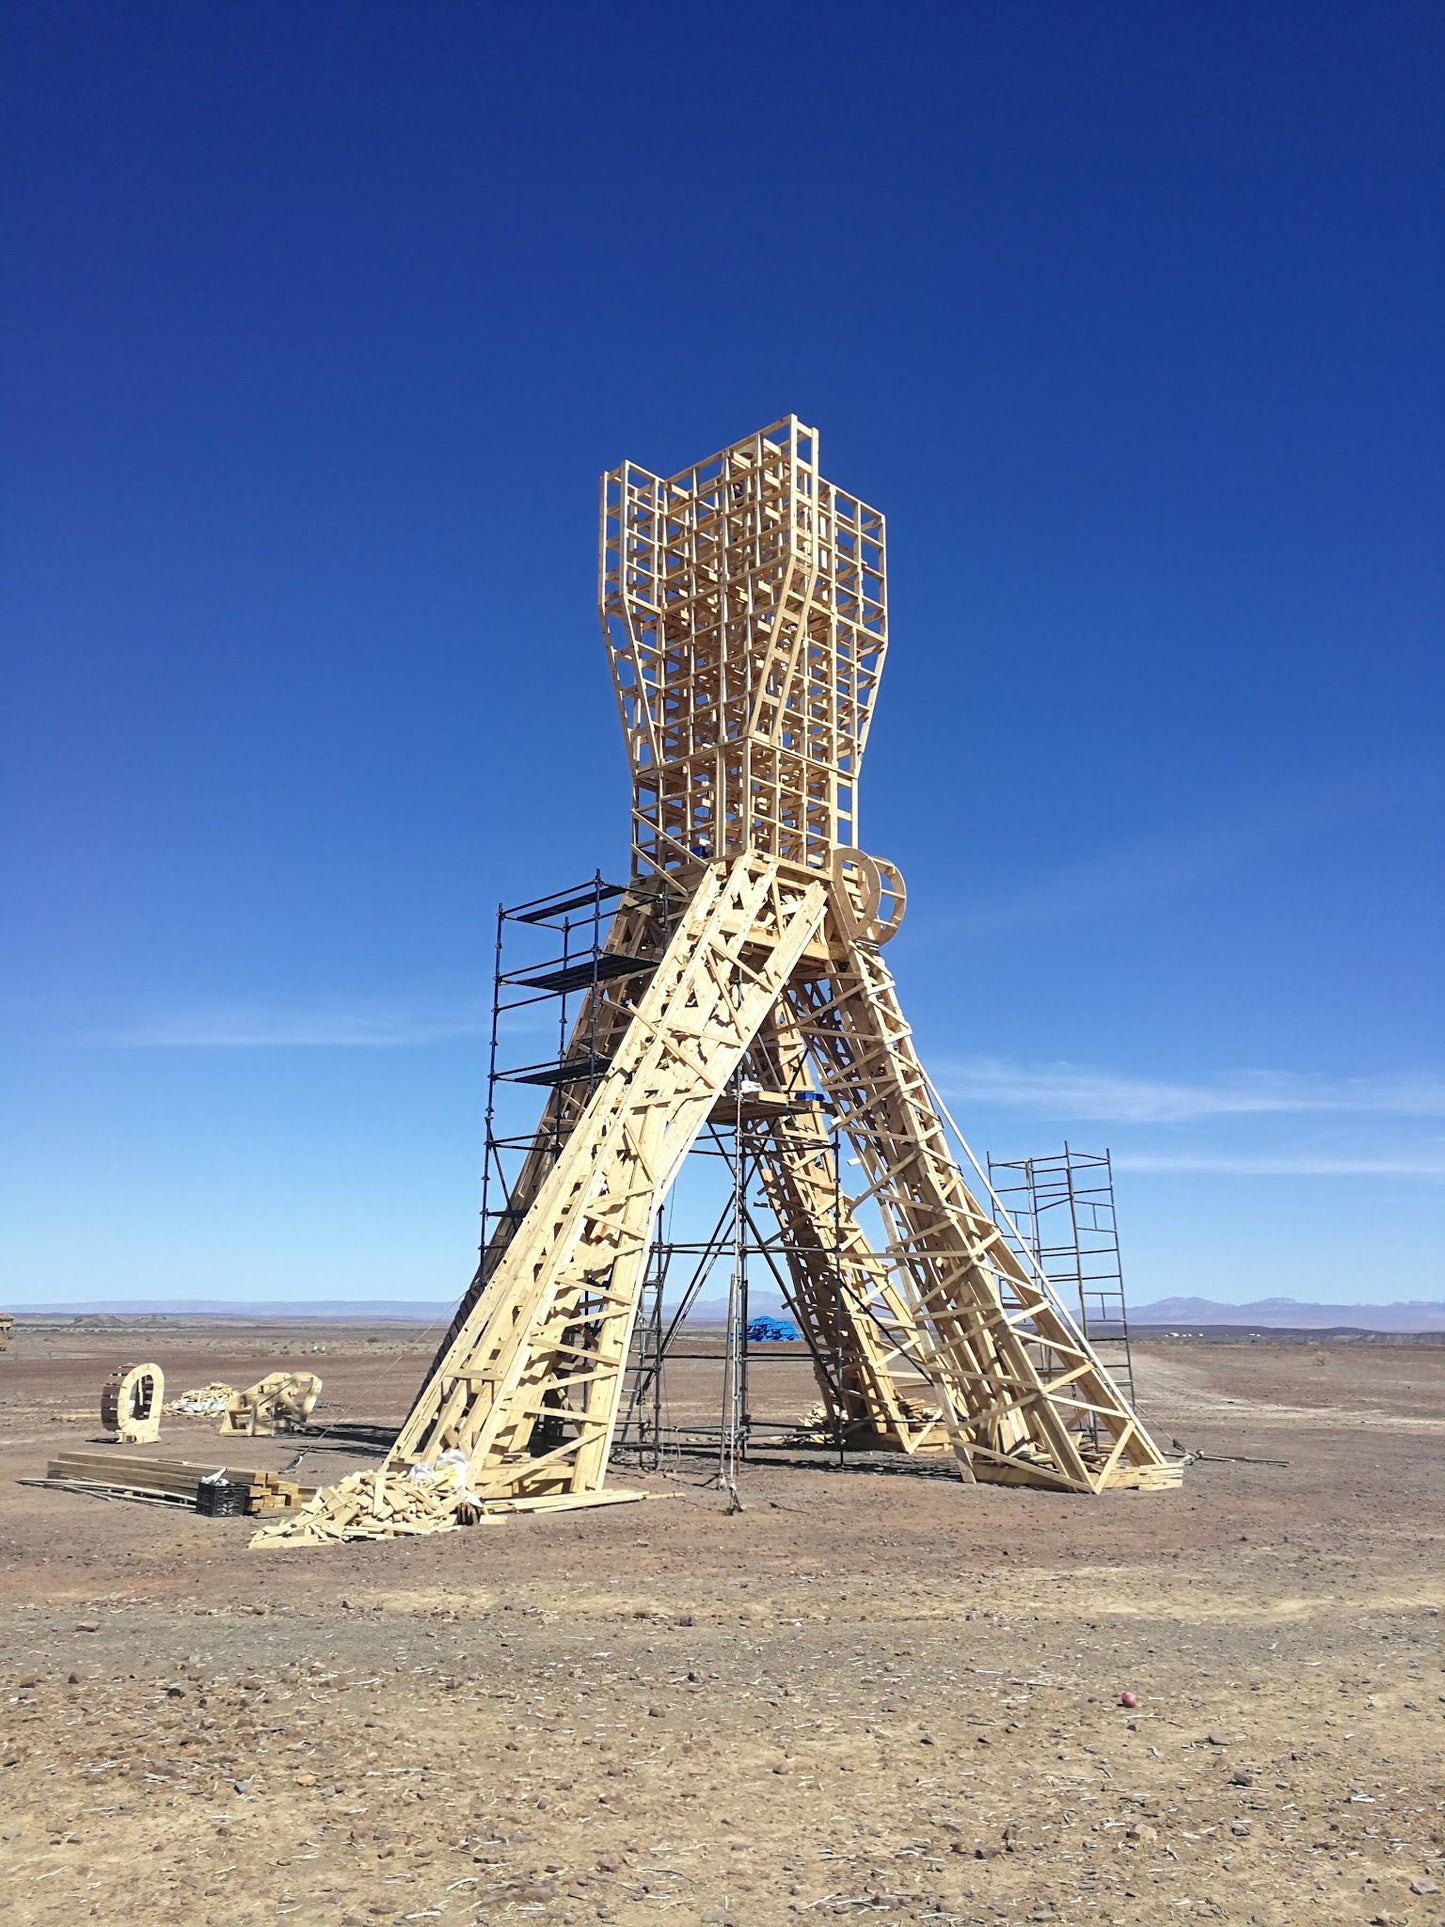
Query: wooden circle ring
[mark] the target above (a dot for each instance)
(131, 1401)
(870, 894)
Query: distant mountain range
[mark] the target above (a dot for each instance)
(1263, 1314)
(1291, 1314)
(413, 1311)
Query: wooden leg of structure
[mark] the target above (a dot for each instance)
(1036, 1404)
(527, 1394)
(871, 1353)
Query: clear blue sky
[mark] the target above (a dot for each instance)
(321, 321)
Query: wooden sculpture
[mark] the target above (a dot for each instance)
(130, 1403)
(743, 604)
(280, 1402)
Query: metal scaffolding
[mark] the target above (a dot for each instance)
(1063, 1206)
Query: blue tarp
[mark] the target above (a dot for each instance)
(764, 1331)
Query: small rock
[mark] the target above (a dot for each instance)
(1128, 1699)
(1424, 1887)
(88, 1626)
(1241, 1778)
(306, 1779)
(1239, 1828)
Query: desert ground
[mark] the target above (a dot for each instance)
(872, 1692)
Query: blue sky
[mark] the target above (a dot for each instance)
(321, 323)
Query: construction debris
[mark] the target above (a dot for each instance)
(205, 1401)
(130, 1404)
(206, 1488)
(378, 1505)
(394, 1503)
(280, 1402)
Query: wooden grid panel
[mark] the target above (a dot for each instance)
(745, 609)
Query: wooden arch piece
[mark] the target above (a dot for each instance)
(130, 1404)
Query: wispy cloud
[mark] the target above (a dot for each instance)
(1075, 1091)
(1281, 1164)
(1164, 860)
(356, 1025)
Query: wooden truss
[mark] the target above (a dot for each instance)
(744, 609)
(545, 1346)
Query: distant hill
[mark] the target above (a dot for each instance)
(1293, 1314)
(362, 1308)
(1263, 1314)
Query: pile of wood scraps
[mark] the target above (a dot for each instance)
(203, 1401)
(395, 1502)
(370, 1505)
(217, 1490)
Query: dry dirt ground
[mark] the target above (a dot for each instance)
(868, 1693)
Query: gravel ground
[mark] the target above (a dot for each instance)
(869, 1693)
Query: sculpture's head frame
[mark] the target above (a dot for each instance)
(745, 610)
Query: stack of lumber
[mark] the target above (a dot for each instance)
(173, 1480)
(271, 1493)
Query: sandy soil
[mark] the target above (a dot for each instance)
(869, 1693)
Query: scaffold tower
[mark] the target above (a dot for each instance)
(1063, 1206)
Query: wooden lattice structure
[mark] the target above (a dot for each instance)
(744, 607)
